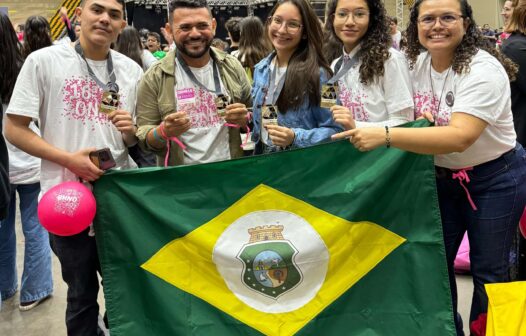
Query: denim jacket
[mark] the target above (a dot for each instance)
(311, 124)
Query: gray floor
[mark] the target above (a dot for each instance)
(48, 318)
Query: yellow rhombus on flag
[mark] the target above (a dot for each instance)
(231, 261)
(506, 309)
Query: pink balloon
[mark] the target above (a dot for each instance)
(67, 209)
(522, 223)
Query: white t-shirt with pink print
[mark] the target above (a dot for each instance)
(54, 87)
(386, 101)
(483, 92)
(208, 139)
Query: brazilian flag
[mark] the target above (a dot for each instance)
(318, 241)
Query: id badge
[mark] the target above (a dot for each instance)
(109, 102)
(269, 114)
(329, 95)
(221, 102)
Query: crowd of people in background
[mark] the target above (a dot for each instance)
(287, 81)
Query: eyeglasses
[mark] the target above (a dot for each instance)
(202, 26)
(292, 27)
(358, 15)
(428, 21)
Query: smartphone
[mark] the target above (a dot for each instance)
(102, 158)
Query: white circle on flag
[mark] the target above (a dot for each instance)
(252, 277)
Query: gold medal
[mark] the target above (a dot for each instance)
(221, 102)
(329, 95)
(269, 114)
(109, 102)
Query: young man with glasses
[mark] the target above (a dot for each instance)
(63, 87)
(178, 98)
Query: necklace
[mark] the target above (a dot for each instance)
(443, 86)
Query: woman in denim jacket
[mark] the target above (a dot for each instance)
(287, 83)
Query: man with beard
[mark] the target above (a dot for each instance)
(195, 97)
(62, 86)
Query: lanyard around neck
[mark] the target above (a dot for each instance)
(347, 65)
(273, 90)
(443, 85)
(112, 84)
(190, 74)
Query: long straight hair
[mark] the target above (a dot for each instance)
(129, 44)
(303, 71)
(253, 45)
(11, 59)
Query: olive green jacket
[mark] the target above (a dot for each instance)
(156, 99)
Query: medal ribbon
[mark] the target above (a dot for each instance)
(112, 84)
(347, 65)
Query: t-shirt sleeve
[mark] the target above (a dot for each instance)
(479, 92)
(27, 93)
(397, 87)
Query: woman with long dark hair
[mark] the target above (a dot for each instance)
(371, 76)
(462, 83)
(287, 84)
(253, 45)
(129, 43)
(37, 35)
(24, 176)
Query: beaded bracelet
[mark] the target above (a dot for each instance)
(156, 135)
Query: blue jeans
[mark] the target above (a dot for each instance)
(37, 280)
(498, 189)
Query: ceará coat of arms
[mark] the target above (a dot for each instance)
(269, 262)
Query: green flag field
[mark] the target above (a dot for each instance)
(318, 241)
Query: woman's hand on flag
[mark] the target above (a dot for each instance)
(363, 139)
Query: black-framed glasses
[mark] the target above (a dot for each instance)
(428, 21)
(291, 26)
(358, 15)
(201, 26)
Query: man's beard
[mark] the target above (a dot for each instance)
(192, 54)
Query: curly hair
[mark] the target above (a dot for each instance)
(471, 43)
(375, 43)
(37, 34)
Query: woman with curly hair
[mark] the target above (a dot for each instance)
(37, 35)
(372, 78)
(286, 89)
(463, 84)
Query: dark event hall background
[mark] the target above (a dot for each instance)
(153, 16)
